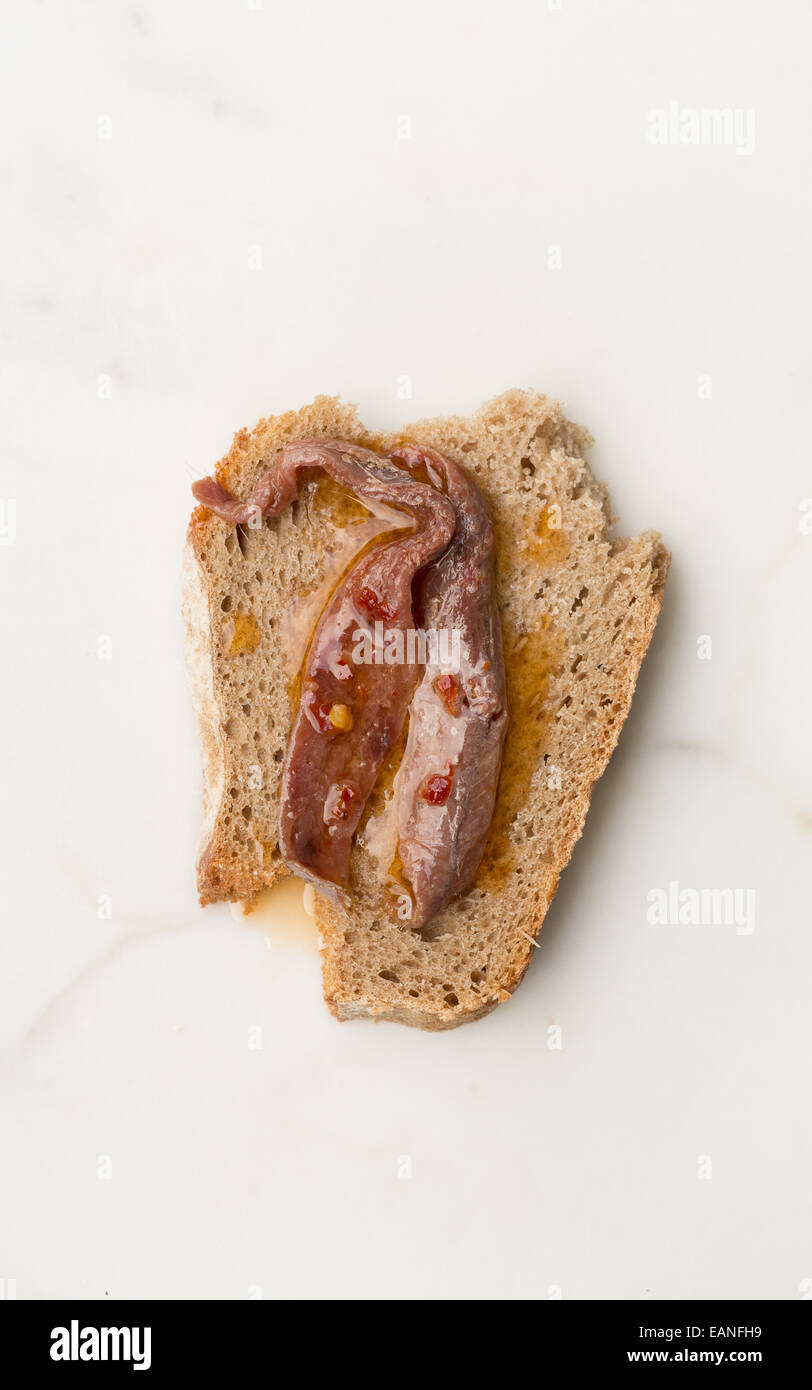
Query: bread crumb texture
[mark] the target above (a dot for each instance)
(578, 609)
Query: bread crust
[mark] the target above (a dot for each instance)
(579, 609)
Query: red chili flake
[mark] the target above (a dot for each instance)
(375, 606)
(447, 687)
(345, 796)
(436, 790)
(343, 669)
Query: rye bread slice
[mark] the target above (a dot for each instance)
(578, 610)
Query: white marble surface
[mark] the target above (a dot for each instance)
(146, 1148)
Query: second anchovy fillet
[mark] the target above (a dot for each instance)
(447, 781)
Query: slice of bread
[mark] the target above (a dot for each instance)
(578, 610)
